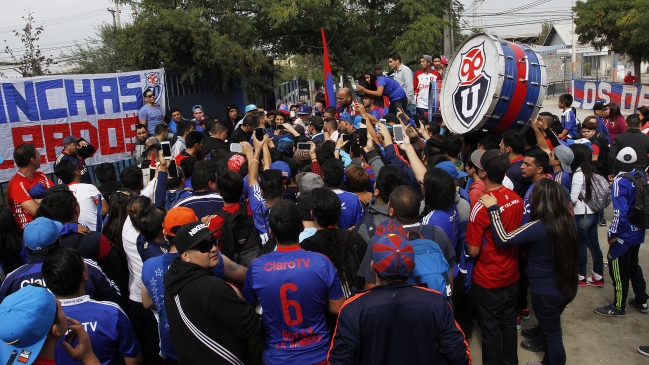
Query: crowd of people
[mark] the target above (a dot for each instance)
(361, 232)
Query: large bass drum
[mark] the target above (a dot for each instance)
(492, 85)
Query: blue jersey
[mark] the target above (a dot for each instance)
(153, 272)
(351, 209)
(569, 122)
(293, 287)
(150, 249)
(563, 178)
(448, 220)
(203, 203)
(98, 286)
(391, 88)
(260, 212)
(527, 201)
(377, 112)
(110, 331)
(601, 126)
(623, 197)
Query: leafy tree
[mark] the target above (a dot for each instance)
(32, 62)
(617, 24)
(546, 27)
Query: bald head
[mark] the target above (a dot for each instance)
(344, 96)
(404, 204)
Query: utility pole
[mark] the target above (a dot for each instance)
(112, 11)
(574, 44)
(447, 35)
(117, 11)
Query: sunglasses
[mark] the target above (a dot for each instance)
(148, 96)
(204, 246)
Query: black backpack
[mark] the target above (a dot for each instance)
(240, 240)
(639, 216)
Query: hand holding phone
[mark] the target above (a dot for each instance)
(259, 134)
(397, 129)
(235, 147)
(166, 149)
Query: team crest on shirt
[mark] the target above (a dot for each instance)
(471, 93)
(24, 356)
(152, 82)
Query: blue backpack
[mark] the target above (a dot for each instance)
(431, 267)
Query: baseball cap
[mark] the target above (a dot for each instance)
(378, 66)
(197, 107)
(309, 181)
(178, 216)
(393, 256)
(284, 168)
(600, 106)
(427, 58)
(444, 60)
(494, 161)
(251, 107)
(190, 235)
(299, 129)
(449, 167)
(283, 108)
(235, 162)
(304, 110)
(27, 317)
(41, 233)
(345, 116)
(316, 121)
(285, 145)
(476, 156)
(626, 159)
(70, 139)
(565, 155)
(357, 121)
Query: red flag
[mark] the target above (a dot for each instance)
(329, 92)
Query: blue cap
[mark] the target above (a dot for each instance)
(27, 317)
(284, 168)
(197, 107)
(251, 107)
(283, 108)
(304, 110)
(357, 121)
(449, 167)
(345, 116)
(41, 233)
(285, 145)
(393, 256)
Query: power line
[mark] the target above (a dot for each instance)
(520, 23)
(55, 21)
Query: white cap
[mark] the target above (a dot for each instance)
(627, 155)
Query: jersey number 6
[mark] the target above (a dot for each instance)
(288, 303)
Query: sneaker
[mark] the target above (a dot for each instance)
(539, 362)
(534, 345)
(582, 283)
(531, 332)
(605, 261)
(518, 323)
(610, 311)
(602, 223)
(644, 350)
(591, 281)
(643, 308)
(524, 314)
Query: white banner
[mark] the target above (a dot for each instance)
(101, 108)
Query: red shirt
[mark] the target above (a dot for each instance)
(18, 193)
(217, 221)
(497, 267)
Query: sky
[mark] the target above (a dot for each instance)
(67, 22)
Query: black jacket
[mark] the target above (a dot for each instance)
(635, 139)
(215, 323)
(214, 144)
(239, 136)
(398, 324)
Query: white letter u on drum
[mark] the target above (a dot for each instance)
(474, 102)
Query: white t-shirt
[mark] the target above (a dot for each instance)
(87, 195)
(129, 238)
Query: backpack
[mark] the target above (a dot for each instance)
(431, 266)
(639, 213)
(240, 240)
(600, 195)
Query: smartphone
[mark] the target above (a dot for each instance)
(166, 149)
(403, 118)
(382, 121)
(348, 137)
(304, 146)
(397, 106)
(362, 137)
(292, 113)
(235, 147)
(259, 134)
(397, 129)
(146, 175)
(172, 169)
(280, 127)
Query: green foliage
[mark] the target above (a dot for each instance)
(32, 62)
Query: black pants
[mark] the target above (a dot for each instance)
(462, 305)
(622, 269)
(393, 105)
(523, 282)
(548, 308)
(146, 330)
(496, 309)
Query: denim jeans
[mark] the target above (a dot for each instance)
(548, 309)
(587, 229)
(496, 309)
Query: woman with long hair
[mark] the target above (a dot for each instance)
(643, 113)
(439, 198)
(345, 249)
(585, 218)
(116, 216)
(12, 250)
(552, 251)
(615, 122)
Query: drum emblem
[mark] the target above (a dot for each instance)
(471, 93)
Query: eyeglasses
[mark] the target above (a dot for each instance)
(204, 246)
(149, 96)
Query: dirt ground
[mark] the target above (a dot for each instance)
(590, 338)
